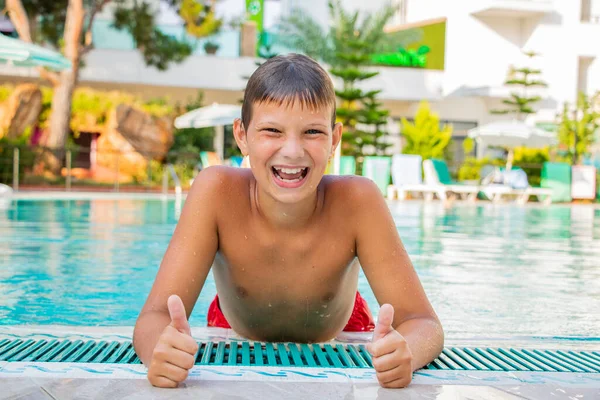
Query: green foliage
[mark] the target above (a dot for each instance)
(348, 47)
(521, 102)
(470, 170)
(425, 137)
(189, 142)
(26, 158)
(302, 33)
(199, 18)
(468, 145)
(157, 48)
(5, 91)
(578, 127)
(47, 20)
(531, 161)
(90, 107)
(154, 174)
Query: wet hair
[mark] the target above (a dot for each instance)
(285, 79)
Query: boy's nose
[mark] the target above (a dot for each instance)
(292, 149)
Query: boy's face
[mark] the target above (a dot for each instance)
(289, 147)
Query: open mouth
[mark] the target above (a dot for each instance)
(289, 177)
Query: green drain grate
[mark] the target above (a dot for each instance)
(302, 355)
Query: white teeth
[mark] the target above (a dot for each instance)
(290, 170)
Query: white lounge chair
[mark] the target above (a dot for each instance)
(407, 177)
(437, 173)
(496, 192)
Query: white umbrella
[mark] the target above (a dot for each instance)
(217, 115)
(213, 115)
(511, 134)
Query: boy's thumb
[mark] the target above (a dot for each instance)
(178, 317)
(384, 322)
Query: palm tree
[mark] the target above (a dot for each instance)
(302, 33)
(348, 46)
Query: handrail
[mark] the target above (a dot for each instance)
(170, 170)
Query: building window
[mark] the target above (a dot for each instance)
(590, 11)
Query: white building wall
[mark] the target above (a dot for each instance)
(479, 53)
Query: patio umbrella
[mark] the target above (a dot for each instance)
(23, 54)
(213, 115)
(217, 115)
(511, 134)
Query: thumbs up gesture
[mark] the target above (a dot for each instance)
(391, 356)
(175, 352)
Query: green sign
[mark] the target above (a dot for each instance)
(255, 12)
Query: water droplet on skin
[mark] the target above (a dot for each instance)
(194, 253)
(243, 269)
(270, 305)
(246, 237)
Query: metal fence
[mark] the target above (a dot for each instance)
(88, 169)
(22, 167)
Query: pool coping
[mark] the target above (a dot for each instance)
(286, 374)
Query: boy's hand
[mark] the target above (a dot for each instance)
(392, 359)
(175, 351)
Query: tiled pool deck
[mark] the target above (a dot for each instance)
(30, 380)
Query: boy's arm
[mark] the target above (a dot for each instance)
(393, 279)
(186, 263)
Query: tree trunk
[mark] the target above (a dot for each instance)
(60, 119)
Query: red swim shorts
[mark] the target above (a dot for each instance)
(361, 319)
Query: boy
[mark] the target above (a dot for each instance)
(284, 242)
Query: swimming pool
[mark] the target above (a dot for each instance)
(489, 270)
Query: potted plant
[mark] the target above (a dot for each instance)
(211, 47)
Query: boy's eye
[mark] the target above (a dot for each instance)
(274, 130)
(314, 131)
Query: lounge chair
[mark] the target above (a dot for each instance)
(347, 165)
(521, 191)
(557, 177)
(377, 168)
(407, 177)
(209, 159)
(437, 174)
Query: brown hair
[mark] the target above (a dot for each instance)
(285, 79)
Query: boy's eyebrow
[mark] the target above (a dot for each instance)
(268, 122)
(318, 124)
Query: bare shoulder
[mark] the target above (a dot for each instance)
(219, 179)
(352, 190)
(219, 183)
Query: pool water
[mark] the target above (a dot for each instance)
(489, 271)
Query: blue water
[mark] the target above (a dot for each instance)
(488, 270)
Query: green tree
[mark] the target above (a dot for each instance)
(425, 136)
(68, 24)
(578, 126)
(521, 102)
(348, 47)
